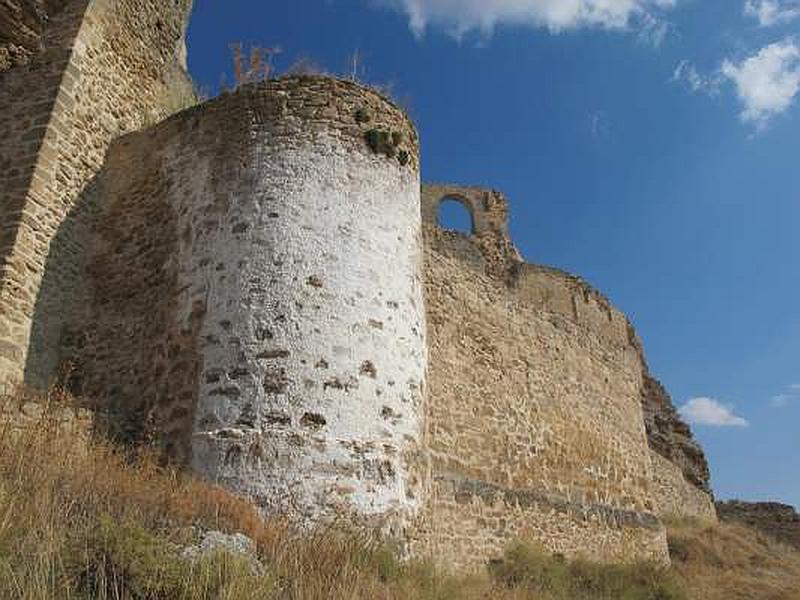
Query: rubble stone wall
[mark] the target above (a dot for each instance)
(22, 27)
(258, 285)
(104, 67)
(677, 497)
(534, 421)
(670, 436)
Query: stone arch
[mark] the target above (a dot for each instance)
(488, 209)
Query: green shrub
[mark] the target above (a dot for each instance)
(122, 560)
(362, 116)
(387, 143)
(552, 577)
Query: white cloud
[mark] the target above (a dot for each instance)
(772, 12)
(652, 30)
(707, 411)
(795, 387)
(766, 82)
(461, 16)
(780, 401)
(686, 73)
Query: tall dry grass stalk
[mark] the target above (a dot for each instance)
(257, 67)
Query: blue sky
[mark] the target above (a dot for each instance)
(651, 146)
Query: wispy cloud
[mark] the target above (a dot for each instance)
(772, 12)
(653, 30)
(780, 401)
(599, 125)
(766, 82)
(461, 16)
(790, 396)
(685, 72)
(711, 412)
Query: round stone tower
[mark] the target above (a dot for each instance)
(311, 328)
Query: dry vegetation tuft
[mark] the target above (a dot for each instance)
(256, 67)
(81, 518)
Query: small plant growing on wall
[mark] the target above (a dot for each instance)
(388, 143)
(362, 116)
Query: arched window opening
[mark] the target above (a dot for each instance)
(454, 215)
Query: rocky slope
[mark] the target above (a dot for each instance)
(779, 521)
(670, 436)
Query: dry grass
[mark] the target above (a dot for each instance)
(733, 562)
(80, 518)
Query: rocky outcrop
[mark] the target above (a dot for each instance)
(779, 521)
(670, 437)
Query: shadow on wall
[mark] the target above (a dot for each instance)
(105, 323)
(58, 329)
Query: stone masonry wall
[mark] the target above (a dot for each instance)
(677, 497)
(680, 469)
(22, 23)
(245, 315)
(20, 415)
(105, 67)
(534, 422)
(221, 287)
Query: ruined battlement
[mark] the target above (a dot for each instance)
(259, 285)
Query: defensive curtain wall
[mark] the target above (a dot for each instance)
(534, 419)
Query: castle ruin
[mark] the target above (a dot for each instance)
(259, 284)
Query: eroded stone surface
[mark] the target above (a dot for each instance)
(676, 496)
(671, 437)
(22, 25)
(533, 419)
(211, 543)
